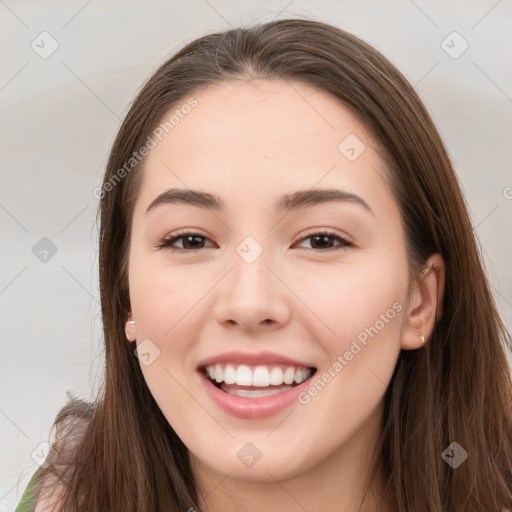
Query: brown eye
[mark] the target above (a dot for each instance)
(191, 242)
(323, 241)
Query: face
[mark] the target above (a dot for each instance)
(320, 285)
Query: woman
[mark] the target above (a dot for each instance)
(295, 311)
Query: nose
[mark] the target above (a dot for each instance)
(252, 295)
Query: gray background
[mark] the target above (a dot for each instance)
(60, 115)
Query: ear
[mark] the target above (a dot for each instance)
(130, 328)
(425, 304)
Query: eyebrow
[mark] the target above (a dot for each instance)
(286, 203)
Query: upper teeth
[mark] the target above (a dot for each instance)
(261, 376)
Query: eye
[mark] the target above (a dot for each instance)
(190, 239)
(321, 241)
(194, 241)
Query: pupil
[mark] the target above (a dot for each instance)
(188, 238)
(322, 237)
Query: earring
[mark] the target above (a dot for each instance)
(421, 337)
(126, 329)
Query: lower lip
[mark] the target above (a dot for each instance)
(253, 408)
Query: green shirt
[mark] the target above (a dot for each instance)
(27, 502)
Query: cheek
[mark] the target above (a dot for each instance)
(164, 303)
(347, 300)
(167, 302)
(363, 306)
(363, 310)
(356, 314)
(164, 297)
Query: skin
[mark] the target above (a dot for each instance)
(249, 142)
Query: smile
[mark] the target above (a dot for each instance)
(254, 392)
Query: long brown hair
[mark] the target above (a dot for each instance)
(456, 388)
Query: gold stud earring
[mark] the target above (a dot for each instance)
(421, 337)
(126, 330)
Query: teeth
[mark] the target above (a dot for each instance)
(230, 374)
(243, 375)
(276, 377)
(260, 376)
(289, 375)
(256, 393)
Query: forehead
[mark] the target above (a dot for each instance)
(271, 118)
(249, 141)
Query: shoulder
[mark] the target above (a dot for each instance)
(51, 484)
(48, 501)
(30, 502)
(26, 503)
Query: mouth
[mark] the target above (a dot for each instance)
(255, 392)
(258, 382)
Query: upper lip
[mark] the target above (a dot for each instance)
(261, 358)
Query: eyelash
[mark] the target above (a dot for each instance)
(165, 243)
